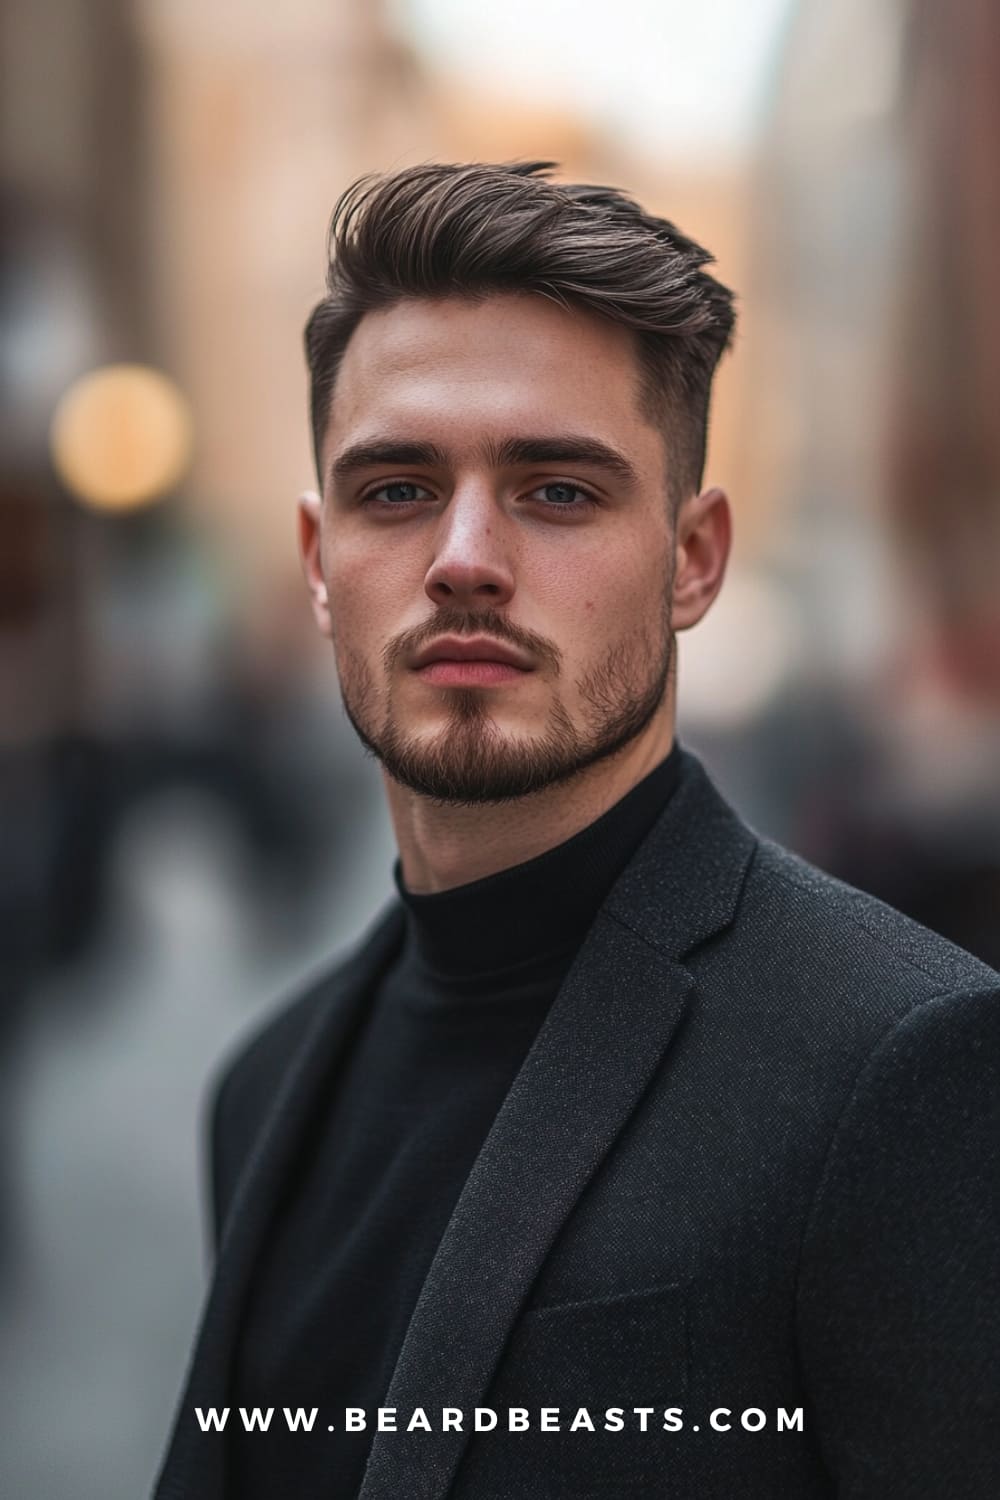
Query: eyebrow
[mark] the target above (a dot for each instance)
(378, 452)
(564, 449)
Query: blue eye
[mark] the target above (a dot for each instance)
(398, 493)
(560, 495)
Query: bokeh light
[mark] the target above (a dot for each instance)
(121, 437)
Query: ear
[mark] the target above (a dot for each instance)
(310, 534)
(704, 532)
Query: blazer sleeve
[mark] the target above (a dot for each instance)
(234, 1108)
(898, 1298)
(216, 1165)
(217, 1186)
(238, 1096)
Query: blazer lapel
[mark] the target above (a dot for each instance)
(194, 1466)
(604, 1037)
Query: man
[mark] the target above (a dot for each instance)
(628, 1155)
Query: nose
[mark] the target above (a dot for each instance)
(472, 566)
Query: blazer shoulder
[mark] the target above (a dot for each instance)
(244, 1081)
(817, 913)
(243, 1085)
(245, 1078)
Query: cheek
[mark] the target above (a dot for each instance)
(367, 591)
(604, 592)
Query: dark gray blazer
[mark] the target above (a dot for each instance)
(750, 1163)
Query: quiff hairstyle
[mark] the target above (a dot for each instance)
(472, 229)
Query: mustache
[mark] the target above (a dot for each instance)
(483, 622)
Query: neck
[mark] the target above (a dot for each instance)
(441, 846)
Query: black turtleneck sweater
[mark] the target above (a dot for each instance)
(447, 1031)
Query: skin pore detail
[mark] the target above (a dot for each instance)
(493, 489)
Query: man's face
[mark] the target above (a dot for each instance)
(491, 487)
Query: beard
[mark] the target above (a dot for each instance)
(471, 760)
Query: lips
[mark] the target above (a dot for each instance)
(471, 649)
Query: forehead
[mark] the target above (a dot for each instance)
(465, 371)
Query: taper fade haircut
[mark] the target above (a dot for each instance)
(477, 228)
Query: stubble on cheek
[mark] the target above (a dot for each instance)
(358, 688)
(621, 691)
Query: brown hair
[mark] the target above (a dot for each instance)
(441, 229)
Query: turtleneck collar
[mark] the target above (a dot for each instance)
(542, 907)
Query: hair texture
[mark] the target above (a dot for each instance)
(472, 229)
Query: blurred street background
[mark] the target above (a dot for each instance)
(189, 827)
